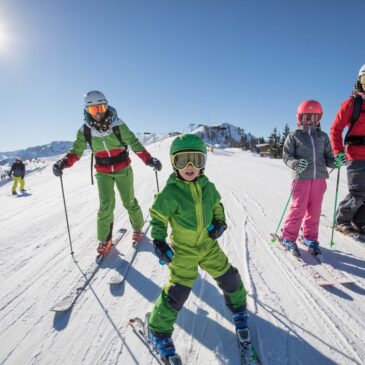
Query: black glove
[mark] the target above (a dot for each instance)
(163, 251)
(9, 174)
(155, 163)
(216, 229)
(59, 166)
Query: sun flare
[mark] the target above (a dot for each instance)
(3, 38)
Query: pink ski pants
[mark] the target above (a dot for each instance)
(306, 203)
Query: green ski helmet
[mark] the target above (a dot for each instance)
(187, 142)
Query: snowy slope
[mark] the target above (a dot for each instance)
(295, 320)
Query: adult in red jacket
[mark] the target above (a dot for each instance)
(350, 216)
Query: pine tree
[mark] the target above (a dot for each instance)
(274, 143)
(286, 131)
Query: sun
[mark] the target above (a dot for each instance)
(3, 38)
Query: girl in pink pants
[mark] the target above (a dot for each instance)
(307, 150)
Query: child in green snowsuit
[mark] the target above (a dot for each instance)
(191, 204)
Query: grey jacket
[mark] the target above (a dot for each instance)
(313, 145)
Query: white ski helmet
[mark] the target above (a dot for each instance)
(362, 71)
(94, 97)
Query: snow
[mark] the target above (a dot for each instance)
(293, 320)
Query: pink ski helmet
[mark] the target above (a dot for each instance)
(309, 110)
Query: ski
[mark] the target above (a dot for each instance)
(337, 276)
(138, 327)
(317, 277)
(248, 355)
(69, 300)
(278, 238)
(131, 254)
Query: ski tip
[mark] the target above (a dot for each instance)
(325, 283)
(347, 282)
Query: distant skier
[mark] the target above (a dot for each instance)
(307, 150)
(109, 138)
(350, 216)
(192, 206)
(18, 172)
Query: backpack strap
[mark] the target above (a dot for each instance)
(116, 131)
(357, 109)
(87, 134)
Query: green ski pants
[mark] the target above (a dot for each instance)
(18, 179)
(123, 179)
(183, 273)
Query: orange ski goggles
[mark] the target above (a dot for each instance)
(95, 109)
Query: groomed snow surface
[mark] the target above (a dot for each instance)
(293, 320)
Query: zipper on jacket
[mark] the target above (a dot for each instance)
(314, 154)
(108, 152)
(197, 196)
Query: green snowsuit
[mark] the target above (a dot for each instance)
(190, 208)
(114, 170)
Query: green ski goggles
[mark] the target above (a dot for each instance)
(181, 160)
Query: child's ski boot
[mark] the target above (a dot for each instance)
(247, 352)
(104, 247)
(291, 247)
(313, 246)
(163, 346)
(136, 237)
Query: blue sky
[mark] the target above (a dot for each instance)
(164, 64)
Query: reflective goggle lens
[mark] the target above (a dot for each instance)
(94, 109)
(362, 79)
(182, 159)
(313, 118)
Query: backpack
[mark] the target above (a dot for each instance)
(87, 135)
(357, 109)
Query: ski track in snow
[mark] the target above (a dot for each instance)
(293, 320)
(329, 314)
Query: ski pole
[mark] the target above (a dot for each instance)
(68, 226)
(286, 206)
(334, 213)
(158, 188)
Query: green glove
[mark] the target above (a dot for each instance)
(341, 160)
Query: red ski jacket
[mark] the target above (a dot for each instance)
(343, 120)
